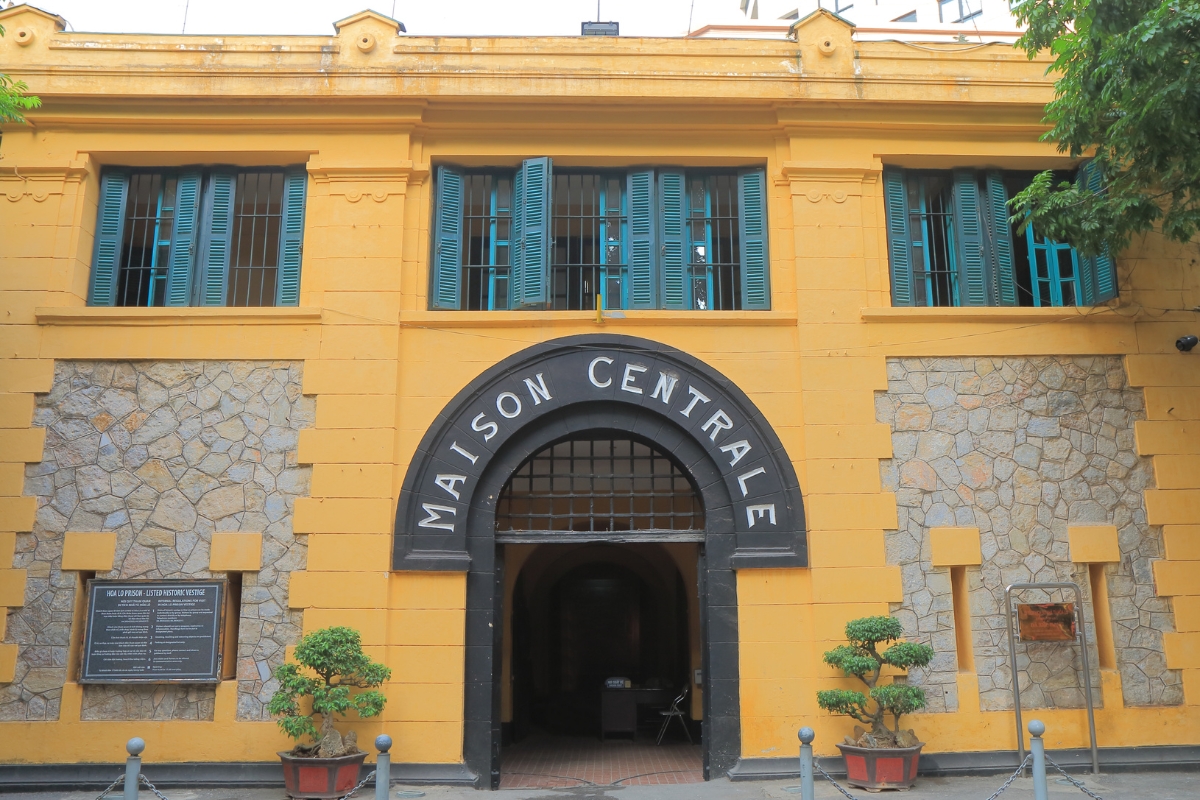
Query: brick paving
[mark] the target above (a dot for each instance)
(548, 762)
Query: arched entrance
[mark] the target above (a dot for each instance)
(651, 394)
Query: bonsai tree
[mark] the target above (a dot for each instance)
(336, 658)
(862, 659)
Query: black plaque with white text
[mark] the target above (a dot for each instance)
(153, 632)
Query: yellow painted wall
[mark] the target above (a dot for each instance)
(370, 126)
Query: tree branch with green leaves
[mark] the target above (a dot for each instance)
(1128, 89)
(14, 101)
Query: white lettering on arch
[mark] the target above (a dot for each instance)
(491, 427)
(447, 483)
(538, 391)
(737, 450)
(753, 513)
(435, 516)
(665, 387)
(500, 398)
(745, 476)
(592, 372)
(719, 421)
(697, 397)
(627, 384)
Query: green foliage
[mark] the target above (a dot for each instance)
(336, 657)
(13, 100)
(1128, 86)
(861, 659)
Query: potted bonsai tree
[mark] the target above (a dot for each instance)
(881, 757)
(337, 676)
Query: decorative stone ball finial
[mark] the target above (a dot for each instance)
(135, 746)
(1037, 727)
(383, 743)
(807, 735)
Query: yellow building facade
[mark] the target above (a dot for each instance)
(290, 425)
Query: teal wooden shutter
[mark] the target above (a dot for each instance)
(673, 238)
(110, 230)
(446, 273)
(641, 240)
(516, 271)
(291, 248)
(181, 265)
(532, 195)
(215, 251)
(899, 243)
(1097, 274)
(968, 239)
(1004, 280)
(756, 266)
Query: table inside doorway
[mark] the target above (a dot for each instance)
(618, 707)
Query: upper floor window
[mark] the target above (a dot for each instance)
(951, 244)
(199, 237)
(575, 239)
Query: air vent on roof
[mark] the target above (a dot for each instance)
(601, 28)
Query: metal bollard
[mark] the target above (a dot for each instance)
(806, 763)
(383, 766)
(133, 767)
(1038, 748)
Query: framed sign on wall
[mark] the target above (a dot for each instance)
(153, 631)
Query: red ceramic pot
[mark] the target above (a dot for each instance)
(875, 768)
(320, 778)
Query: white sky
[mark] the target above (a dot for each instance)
(420, 17)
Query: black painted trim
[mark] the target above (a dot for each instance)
(993, 762)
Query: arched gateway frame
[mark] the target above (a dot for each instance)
(754, 517)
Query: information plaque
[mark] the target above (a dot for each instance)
(153, 632)
(1046, 622)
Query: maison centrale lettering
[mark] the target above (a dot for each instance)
(692, 403)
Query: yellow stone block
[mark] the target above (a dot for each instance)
(19, 444)
(8, 547)
(955, 547)
(235, 552)
(16, 410)
(16, 513)
(851, 511)
(848, 441)
(1177, 472)
(343, 515)
(1169, 438)
(8, 662)
(423, 702)
(773, 587)
(1182, 542)
(427, 590)
(338, 590)
(356, 411)
(843, 373)
(427, 664)
(1170, 369)
(842, 548)
(1172, 506)
(348, 377)
(426, 742)
(346, 446)
(1187, 613)
(89, 552)
(1175, 578)
(12, 479)
(26, 375)
(1093, 544)
(1182, 650)
(766, 660)
(841, 476)
(377, 342)
(839, 407)
(857, 585)
(1174, 403)
(1191, 687)
(12, 587)
(349, 552)
(352, 480)
(371, 623)
(427, 626)
(829, 619)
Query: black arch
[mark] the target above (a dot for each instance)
(471, 546)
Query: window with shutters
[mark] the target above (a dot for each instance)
(573, 239)
(199, 237)
(951, 243)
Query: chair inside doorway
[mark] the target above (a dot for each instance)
(602, 535)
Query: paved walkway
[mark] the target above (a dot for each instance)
(1126, 786)
(546, 762)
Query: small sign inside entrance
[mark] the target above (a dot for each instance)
(1046, 622)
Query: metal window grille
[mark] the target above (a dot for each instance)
(146, 240)
(931, 222)
(599, 483)
(588, 254)
(487, 217)
(714, 242)
(1053, 269)
(257, 220)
